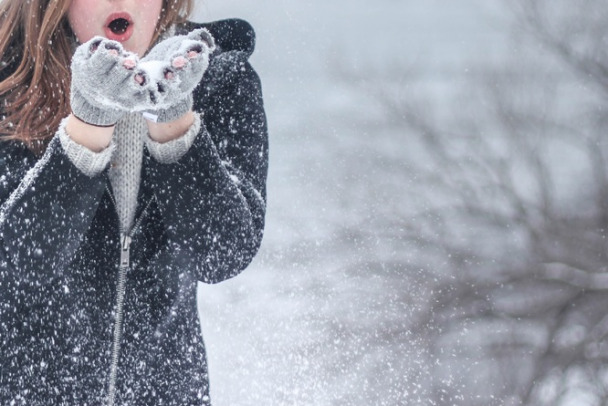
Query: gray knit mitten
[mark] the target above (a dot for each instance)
(106, 82)
(177, 65)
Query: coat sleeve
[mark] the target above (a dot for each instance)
(46, 207)
(213, 199)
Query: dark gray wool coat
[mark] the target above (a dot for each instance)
(62, 340)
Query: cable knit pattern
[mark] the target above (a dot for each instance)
(89, 162)
(125, 169)
(172, 151)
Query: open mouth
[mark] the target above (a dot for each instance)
(119, 27)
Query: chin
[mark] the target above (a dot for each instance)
(133, 48)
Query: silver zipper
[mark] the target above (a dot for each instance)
(125, 250)
(125, 262)
(120, 299)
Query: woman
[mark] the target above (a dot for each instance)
(109, 219)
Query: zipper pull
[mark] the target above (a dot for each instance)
(125, 250)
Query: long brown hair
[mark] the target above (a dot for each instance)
(36, 46)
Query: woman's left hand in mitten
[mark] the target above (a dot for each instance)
(177, 65)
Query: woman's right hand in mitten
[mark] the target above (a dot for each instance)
(106, 82)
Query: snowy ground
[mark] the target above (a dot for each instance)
(321, 317)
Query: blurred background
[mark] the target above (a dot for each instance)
(437, 207)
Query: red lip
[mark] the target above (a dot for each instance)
(120, 37)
